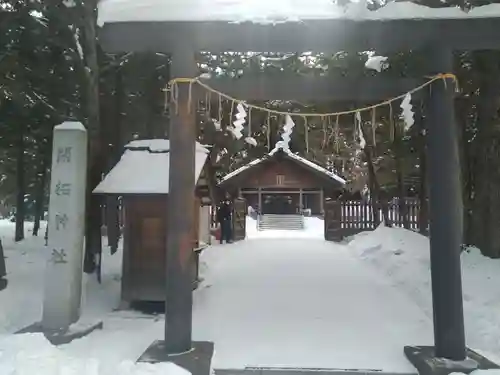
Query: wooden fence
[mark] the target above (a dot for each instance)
(346, 218)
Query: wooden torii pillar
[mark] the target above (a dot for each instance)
(177, 345)
(182, 135)
(446, 206)
(449, 353)
(445, 215)
(446, 225)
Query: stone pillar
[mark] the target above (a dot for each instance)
(63, 277)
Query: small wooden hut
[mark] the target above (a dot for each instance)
(141, 178)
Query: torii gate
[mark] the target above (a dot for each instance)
(439, 37)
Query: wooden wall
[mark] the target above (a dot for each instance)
(145, 243)
(280, 173)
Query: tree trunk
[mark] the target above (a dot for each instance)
(374, 192)
(40, 189)
(39, 199)
(21, 184)
(462, 111)
(423, 212)
(210, 169)
(93, 239)
(155, 127)
(398, 156)
(374, 186)
(486, 198)
(112, 203)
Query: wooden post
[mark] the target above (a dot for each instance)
(301, 199)
(260, 200)
(182, 135)
(322, 201)
(445, 211)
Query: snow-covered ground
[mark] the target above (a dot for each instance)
(303, 303)
(21, 302)
(108, 352)
(403, 256)
(24, 262)
(294, 301)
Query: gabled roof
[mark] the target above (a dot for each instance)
(291, 156)
(144, 168)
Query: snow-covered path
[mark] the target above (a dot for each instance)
(303, 303)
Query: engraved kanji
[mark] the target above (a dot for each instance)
(64, 155)
(63, 188)
(59, 256)
(61, 221)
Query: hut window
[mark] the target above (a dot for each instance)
(280, 179)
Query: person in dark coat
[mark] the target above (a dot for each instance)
(224, 215)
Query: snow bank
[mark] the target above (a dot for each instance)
(403, 255)
(33, 354)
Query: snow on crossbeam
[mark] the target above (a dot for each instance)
(277, 11)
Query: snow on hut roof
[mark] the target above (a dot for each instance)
(144, 168)
(70, 125)
(276, 11)
(291, 155)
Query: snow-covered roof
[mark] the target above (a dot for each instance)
(70, 125)
(291, 155)
(144, 168)
(276, 11)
